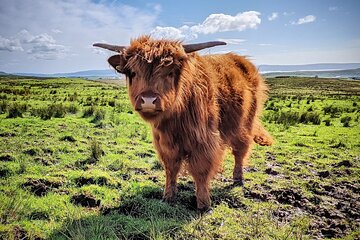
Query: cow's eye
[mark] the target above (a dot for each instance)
(130, 76)
(171, 74)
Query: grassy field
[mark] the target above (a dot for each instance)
(77, 163)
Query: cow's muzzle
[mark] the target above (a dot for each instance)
(148, 102)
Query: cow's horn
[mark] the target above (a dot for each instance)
(114, 48)
(199, 46)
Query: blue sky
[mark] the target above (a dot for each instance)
(56, 36)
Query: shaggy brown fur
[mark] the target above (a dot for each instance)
(204, 103)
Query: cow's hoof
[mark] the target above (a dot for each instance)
(205, 210)
(238, 182)
(168, 199)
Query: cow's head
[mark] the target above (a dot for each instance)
(153, 69)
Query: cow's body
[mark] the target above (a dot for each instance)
(201, 105)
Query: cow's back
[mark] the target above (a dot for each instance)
(241, 93)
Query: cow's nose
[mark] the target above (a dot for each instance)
(148, 104)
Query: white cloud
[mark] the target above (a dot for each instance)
(212, 24)
(42, 46)
(224, 23)
(67, 29)
(306, 19)
(288, 13)
(333, 8)
(183, 32)
(56, 31)
(234, 41)
(10, 45)
(99, 51)
(273, 16)
(265, 44)
(48, 51)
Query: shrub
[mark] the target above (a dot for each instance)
(59, 110)
(88, 112)
(16, 110)
(290, 118)
(310, 117)
(52, 110)
(96, 150)
(73, 97)
(68, 138)
(72, 108)
(345, 121)
(3, 106)
(111, 103)
(99, 115)
(327, 122)
(332, 110)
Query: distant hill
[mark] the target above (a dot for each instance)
(340, 70)
(308, 67)
(89, 73)
(349, 73)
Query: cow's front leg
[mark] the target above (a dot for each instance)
(202, 182)
(172, 169)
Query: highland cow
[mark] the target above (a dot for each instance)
(196, 105)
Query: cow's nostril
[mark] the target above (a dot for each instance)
(148, 102)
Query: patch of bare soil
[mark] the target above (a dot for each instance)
(85, 200)
(6, 158)
(81, 181)
(334, 209)
(40, 187)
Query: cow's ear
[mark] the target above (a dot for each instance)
(118, 62)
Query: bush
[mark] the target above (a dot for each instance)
(73, 97)
(72, 108)
(327, 122)
(290, 118)
(99, 115)
(59, 110)
(111, 103)
(16, 110)
(345, 121)
(53, 110)
(88, 112)
(3, 106)
(68, 138)
(96, 150)
(310, 117)
(332, 110)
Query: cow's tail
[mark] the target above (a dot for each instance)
(261, 136)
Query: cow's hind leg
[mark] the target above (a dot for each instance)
(241, 152)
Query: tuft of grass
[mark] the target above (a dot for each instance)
(14, 206)
(98, 115)
(96, 150)
(68, 138)
(72, 108)
(345, 121)
(16, 110)
(53, 110)
(3, 106)
(88, 112)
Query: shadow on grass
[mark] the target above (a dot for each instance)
(144, 216)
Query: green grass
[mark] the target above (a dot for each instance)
(77, 163)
